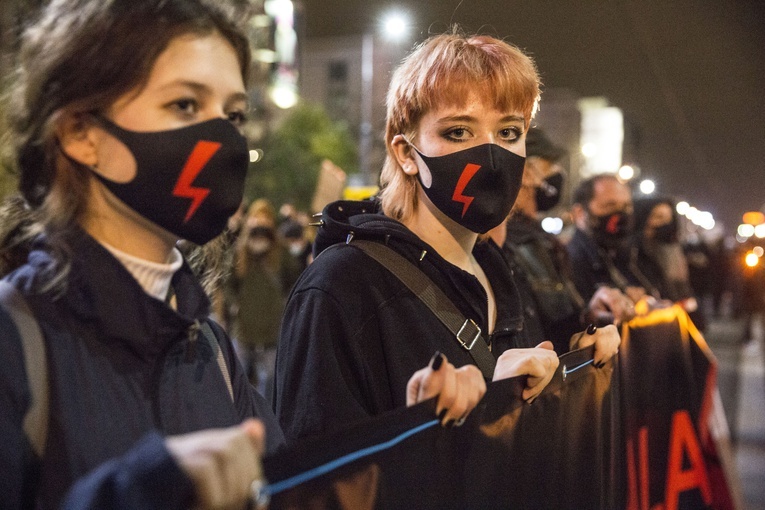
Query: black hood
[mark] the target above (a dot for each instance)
(362, 220)
(344, 220)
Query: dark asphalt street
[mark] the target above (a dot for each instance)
(739, 346)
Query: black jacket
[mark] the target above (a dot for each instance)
(592, 267)
(354, 334)
(124, 369)
(551, 296)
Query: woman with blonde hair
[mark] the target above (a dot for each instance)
(458, 108)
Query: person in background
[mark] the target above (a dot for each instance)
(125, 120)
(660, 257)
(258, 295)
(298, 252)
(599, 250)
(458, 110)
(553, 308)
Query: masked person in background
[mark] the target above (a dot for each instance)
(116, 389)
(553, 308)
(458, 110)
(600, 250)
(258, 295)
(660, 256)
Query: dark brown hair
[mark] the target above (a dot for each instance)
(80, 56)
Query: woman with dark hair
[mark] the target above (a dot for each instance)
(659, 254)
(125, 123)
(116, 388)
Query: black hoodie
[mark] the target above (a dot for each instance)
(353, 334)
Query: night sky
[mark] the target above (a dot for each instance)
(689, 74)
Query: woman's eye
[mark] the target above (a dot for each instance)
(510, 134)
(186, 106)
(457, 134)
(237, 118)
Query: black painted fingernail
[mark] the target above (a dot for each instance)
(449, 424)
(441, 415)
(600, 365)
(436, 361)
(591, 329)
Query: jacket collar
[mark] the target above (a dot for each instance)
(101, 291)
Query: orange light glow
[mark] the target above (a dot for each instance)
(752, 259)
(754, 218)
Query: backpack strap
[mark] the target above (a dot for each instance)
(207, 332)
(35, 423)
(465, 331)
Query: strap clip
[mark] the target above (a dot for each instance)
(469, 328)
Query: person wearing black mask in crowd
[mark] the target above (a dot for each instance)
(600, 250)
(553, 308)
(659, 254)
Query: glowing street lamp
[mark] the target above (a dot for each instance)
(647, 186)
(626, 173)
(752, 259)
(395, 26)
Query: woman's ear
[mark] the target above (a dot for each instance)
(402, 150)
(78, 138)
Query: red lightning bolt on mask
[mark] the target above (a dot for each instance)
(199, 157)
(492, 190)
(467, 173)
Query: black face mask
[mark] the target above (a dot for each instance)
(188, 180)
(548, 194)
(610, 230)
(666, 233)
(475, 187)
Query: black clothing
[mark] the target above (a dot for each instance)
(356, 334)
(592, 267)
(123, 369)
(543, 262)
(534, 331)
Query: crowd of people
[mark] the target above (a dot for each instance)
(119, 389)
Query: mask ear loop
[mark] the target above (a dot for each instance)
(419, 153)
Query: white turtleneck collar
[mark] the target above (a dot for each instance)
(153, 277)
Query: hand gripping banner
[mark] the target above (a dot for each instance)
(645, 432)
(559, 452)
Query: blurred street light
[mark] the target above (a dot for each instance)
(552, 225)
(647, 186)
(745, 230)
(394, 29)
(626, 173)
(395, 26)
